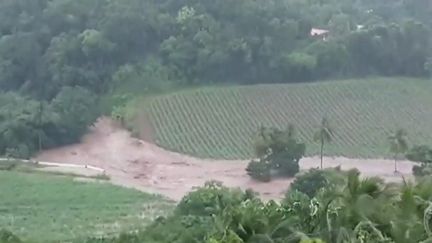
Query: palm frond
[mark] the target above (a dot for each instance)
(371, 186)
(325, 132)
(317, 136)
(426, 219)
(291, 131)
(398, 141)
(369, 225)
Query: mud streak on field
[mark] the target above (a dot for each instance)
(134, 163)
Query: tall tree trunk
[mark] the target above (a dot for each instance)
(39, 141)
(40, 126)
(395, 163)
(322, 149)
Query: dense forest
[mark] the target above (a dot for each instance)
(58, 57)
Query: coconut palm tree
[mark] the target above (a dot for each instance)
(398, 144)
(323, 135)
(408, 220)
(361, 203)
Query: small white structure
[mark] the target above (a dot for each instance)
(319, 33)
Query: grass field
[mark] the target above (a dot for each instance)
(219, 122)
(45, 208)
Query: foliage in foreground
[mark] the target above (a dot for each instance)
(314, 181)
(350, 209)
(8, 237)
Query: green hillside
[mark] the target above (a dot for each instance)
(44, 208)
(220, 122)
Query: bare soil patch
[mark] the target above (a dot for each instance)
(142, 165)
(145, 129)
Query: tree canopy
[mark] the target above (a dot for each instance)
(54, 43)
(101, 45)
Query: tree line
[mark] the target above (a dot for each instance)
(93, 47)
(28, 125)
(48, 44)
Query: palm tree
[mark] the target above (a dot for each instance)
(408, 224)
(323, 135)
(398, 145)
(361, 203)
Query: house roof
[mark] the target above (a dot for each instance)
(318, 32)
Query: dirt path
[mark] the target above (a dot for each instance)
(134, 163)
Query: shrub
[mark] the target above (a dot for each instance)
(303, 208)
(260, 238)
(278, 150)
(178, 229)
(286, 163)
(315, 240)
(8, 164)
(422, 170)
(210, 199)
(272, 140)
(420, 153)
(21, 151)
(310, 182)
(8, 237)
(423, 155)
(259, 170)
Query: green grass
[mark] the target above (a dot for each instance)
(219, 122)
(45, 208)
(19, 166)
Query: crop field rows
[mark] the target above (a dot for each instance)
(220, 122)
(60, 209)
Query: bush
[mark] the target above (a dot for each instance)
(278, 150)
(310, 182)
(423, 155)
(259, 170)
(420, 153)
(260, 239)
(315, 240)
(178, 229)
(286, 163)
(8, 237)
(210, 199)
(8, 164)
(422, 170)
(21, 151)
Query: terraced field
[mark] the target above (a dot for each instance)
(219, 122)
